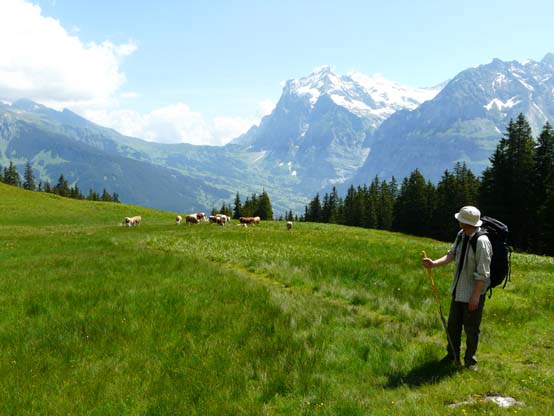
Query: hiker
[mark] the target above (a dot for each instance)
(469, 285)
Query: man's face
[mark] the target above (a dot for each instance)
(468, 229)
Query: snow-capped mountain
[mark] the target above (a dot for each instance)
(464, 122)
(320, 125)
(365, 96)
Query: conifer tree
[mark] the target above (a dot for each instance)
(313, 211)
(237, 210)
(115, 198)
(372, 202)
(106, 197)
(62, 187)
(507, 185)
(543, 236)
(11, 175)
(412, 214)
(265, 211)
(29, 178)
(385, 210)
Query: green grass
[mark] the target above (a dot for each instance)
(100, 319)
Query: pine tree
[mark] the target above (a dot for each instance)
(453, 192)
(115, 198)
(62, 187)
(507, 185)
(413, 214)
(106, 197)
(265, 211)
(543, 236)
(29, 178)
(313, 211)
(385, 211)
(11, 175)
(372, 202)
(237, 210)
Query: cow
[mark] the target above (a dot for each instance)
(220, 219)
(200, 216)
(249, 220)
(191, 219)
(289, 225)
(179, 219)
(130, 221)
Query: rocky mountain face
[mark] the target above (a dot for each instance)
(319, 129)
(464, 122)
(326, 130)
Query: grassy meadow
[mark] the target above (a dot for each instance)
(101, 319)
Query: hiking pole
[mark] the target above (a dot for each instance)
(437, 301)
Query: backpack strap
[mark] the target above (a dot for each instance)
(473, 240)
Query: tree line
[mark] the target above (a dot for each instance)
(254, 206)
(10, 175)
(517, 188)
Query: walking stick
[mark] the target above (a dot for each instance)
(437, 301)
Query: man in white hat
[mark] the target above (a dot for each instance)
(469, 285)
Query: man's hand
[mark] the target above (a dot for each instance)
(474, 302)
(428, 263)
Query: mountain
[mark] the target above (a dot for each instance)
(319, 128)
(326, 130)
(179, 177)
(464, 122)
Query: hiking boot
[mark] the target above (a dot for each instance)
(470, 363)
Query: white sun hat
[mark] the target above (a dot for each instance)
(469, 215)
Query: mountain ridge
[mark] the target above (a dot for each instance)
(326, 130)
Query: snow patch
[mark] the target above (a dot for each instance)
(262, 154)
(522, 81)
(500, 105)
(500, 81)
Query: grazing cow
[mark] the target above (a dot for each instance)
(191, 219)
(220, 219)
(179, 219)
(130, 221)
(289, 225)
(200, 216)
(249, 220)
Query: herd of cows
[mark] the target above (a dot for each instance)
(197, 217)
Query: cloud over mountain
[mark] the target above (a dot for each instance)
(42, 61)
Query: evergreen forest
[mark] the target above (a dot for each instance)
(517, 189)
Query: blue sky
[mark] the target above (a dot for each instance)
(203, 72)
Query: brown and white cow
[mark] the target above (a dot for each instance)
(130, 221)
(192, 219)
(178, 220)
(289, 225)
(249, 220)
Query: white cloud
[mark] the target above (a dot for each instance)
(176, 123)
(41, 61)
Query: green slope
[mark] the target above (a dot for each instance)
(96, 318)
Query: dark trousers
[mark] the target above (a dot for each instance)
(460, 317)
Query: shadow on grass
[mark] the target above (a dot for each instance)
(430, 372)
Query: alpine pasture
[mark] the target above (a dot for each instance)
(163, 319)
